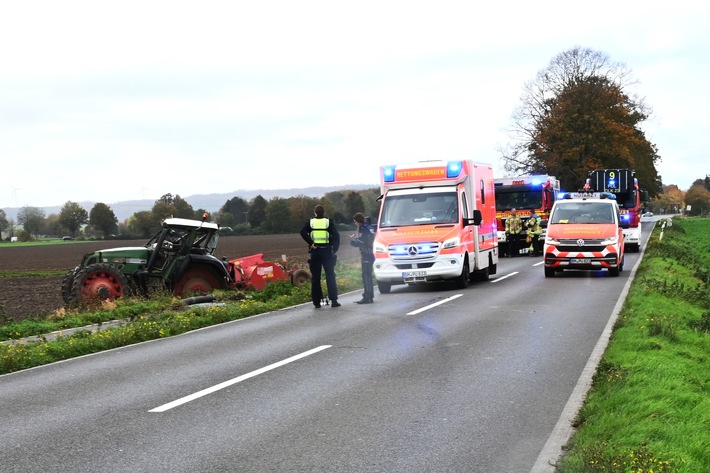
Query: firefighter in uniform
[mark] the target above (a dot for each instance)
(323, 241)
(364, 240)
(534, 232)
(513, 232)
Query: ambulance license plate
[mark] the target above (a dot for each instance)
(580, 261)
(413, 274)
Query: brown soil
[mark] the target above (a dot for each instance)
(23, 297)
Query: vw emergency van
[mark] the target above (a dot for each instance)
(584, 232)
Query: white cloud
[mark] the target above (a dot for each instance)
(191, 98)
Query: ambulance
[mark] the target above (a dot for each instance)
(585, 231)
(437, 222)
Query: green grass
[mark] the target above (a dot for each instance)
(159, 317)
(649, 406)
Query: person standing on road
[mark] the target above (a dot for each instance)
(513, 232)
(534, 231)
(323, 240)
(363, 240)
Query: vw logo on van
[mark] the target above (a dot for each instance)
(412, 251)
(580, 242)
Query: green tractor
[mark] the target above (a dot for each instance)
(179, 259)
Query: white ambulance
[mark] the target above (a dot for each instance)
(437, 222)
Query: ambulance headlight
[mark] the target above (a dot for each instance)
(552, 241)
(610, 241)
(451, 243)
(379, 248)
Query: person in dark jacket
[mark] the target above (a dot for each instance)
(363, 240)
(323, 241)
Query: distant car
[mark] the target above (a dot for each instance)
(647, 214)
(66, 238)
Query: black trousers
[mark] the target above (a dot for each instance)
(322, 258)
(367, 283)
(513, 244)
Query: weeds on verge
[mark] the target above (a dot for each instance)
(147, 320)
(649, 406)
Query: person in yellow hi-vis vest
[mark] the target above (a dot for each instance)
(323, 240)
(513, 233)
(534, 232)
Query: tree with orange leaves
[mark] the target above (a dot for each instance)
(576, 117)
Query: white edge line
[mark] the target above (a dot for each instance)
(443, 301)
(504, 277)
(560, 435)
(236, 380)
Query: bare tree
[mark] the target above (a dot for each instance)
(570, 113)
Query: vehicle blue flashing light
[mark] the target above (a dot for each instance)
(612, 183)
(453, 169)
(537, 182)
(388, 173)
(625, 217)
(561, 195)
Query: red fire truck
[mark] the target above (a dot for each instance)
(625, 187)
(526, 194)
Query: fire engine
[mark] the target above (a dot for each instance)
(625, 187)
(526, 194)
(436, 223)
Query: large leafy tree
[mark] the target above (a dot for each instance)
(354, 204)
(72, 216)
(698, 197)
(277, 216)
(257, 211)
(3, 221)
(32, 219)
(576, 117)
(143, 224)
(102, 218)
(238, 208)
(172, 206)
(301, 209)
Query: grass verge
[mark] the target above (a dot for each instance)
(649, 406)
(145, 320)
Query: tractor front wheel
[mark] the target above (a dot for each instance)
(197, 281)
(98, 282)
(67, 284)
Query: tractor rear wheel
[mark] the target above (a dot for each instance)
(197, 280)
(98, 282)
(300, 277)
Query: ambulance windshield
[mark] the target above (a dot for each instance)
(421, 208)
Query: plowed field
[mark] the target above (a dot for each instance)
(22, 297)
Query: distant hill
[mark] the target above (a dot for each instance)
(209, 202)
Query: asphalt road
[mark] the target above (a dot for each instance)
(426, 379)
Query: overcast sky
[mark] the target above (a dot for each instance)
(112, 101)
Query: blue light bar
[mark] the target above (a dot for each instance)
(388, 173)
(537, 182)
(453, 169)
(612, 183)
